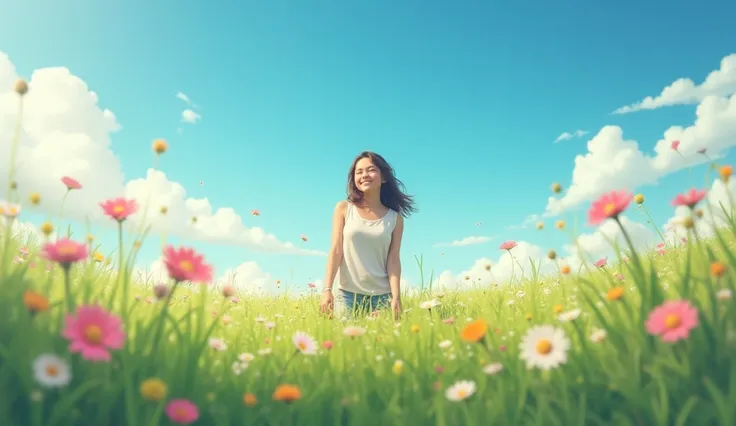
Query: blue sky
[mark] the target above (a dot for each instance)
(464, 99)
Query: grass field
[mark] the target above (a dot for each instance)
(645, 340)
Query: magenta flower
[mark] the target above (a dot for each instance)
(64, 252)
(71, 183)
(119, 208)
(601, 262)
(184, 264)
(609, 206)
(182, 411)
(93, 332)
(690, 198)
(672, 320)
(675, 145)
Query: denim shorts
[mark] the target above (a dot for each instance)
(354, 303)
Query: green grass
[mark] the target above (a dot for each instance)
(629, 378)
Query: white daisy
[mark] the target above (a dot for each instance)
(353, 331)
(264, 351)
(461, 390)
(217, 344)
(493, 368)
(445, 344)
(304, 343)
(598, 335)
(545, 347)
(246, 357)
(723, 294)
(51, 371)
(429, 304)
(569, 315)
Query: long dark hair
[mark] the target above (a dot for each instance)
(393, 193)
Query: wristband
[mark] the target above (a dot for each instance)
(326, 289)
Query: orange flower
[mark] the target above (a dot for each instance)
(557, 309)
(717, 269)
(565, 269)
(249, 399)
(725, 172)
(615, 293)
(35, 302)
(287, 393)
(160, 146)
(475, 331)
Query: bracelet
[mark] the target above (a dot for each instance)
(326, 289)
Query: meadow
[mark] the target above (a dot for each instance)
(645, 339)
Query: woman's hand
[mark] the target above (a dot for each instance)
(327, 302)
(396, 307)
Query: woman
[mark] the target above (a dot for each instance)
(366, 239)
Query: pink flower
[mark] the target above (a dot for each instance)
(672, 320)
(661, 252)
(182, 411)
(64, 252)
(312, 285)
(450, 320)
(660, 245)
(92, 332)
(327, 344)
(675, 145)
(690, 198)
(255, 212)
(71, 183)
(119, 208)
(507, 245)
(184, 264)
(609, 206)
(304, 238)
(601, 262)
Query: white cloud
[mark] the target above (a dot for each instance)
(66, 133)
(684, 91)
(467, 241)
(592, 246)
(184, 98)
(189, 116)
(615, 163)
(565, 136)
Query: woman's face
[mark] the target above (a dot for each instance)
(367, 175)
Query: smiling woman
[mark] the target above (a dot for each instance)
(366, 239)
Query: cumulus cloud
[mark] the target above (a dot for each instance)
(66, 132)
(467, 241)
(181, 96)
(600, 243)
(684, 91)
(566, 136)
(613, 162)
(189, 116)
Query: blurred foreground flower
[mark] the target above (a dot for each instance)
(153, 389)
(92, 332)
(672, 320)
(184, 264)
(51, 371)
(287, 393)
(182, 411)
(461, 390)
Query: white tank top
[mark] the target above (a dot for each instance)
(365, 246)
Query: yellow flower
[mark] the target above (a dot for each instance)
(47, 228)
(557, 309)
(615, 293)
(153, 389)
(556, 188)
(35, 198)
(639, 198)
(560, 224)
(528, 317)
(415, 328)
(398, 367)
(160, 146)
(98, 257)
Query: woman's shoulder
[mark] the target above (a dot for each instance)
(342, 206)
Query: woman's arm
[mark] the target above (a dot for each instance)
(334, 256)
(393, 266)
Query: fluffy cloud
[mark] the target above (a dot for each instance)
(613, 162)
(467, 241)
(184, 98)
(683, 91)
(566, 136)
(590, 247)
(66, 133)
(189, 116)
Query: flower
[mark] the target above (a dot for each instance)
(429, 304)
(601, 262)
(217, 344)
(569, 315)
(9, 210)
(507, 245)
(598, 335)
(398, 367)
(475, 331)
(303, 238)
(615, 293)
(674, 145)
(461, 390)
(327, 344)
(415, 328)
(717, 269)
(493, 368)
(153, 389)
(544, 347)
(35, 302)
(182, 411)
(65, 252)
(71, 183)
(725, 172)
(556, 188)
(249, 399)
(445, 344)
(639, 198)
(609, 206)
(51, 371)
(159, 146)
(304, 343)
(184, 264)
(672, 320)
(47, 228)
(119, 208)
(20, 87)
(92, 332)
(690, 198)
(565, 269)
(287, 393)
(255, 212)
(353, 331)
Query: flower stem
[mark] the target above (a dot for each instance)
(68, 288)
